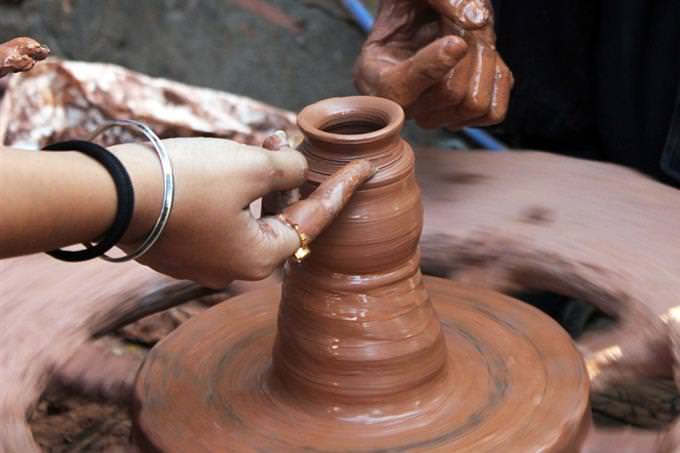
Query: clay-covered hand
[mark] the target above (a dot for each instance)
(438, 59)
(20, 54)
(212, 237)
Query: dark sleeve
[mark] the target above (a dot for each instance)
(550, 48)
(638, 74)
(595, 79)
(670, 159)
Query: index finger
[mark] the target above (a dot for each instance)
(407, 80)
(279, 238)
(316, 212)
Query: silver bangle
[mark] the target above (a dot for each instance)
(168, 185)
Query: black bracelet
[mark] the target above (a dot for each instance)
(124, 191)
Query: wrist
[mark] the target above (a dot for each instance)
(52, 200)
(147, 181)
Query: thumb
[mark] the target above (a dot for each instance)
(469, 14)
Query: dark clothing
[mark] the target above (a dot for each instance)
(596, 79)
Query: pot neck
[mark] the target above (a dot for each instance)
(340, 130)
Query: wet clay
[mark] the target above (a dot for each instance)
(171, 109)
(357, 351)
(21, 54)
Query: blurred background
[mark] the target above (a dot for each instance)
(287, 53)
(284, 52)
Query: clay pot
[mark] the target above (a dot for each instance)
(356, 311)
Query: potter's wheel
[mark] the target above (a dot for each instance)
(515, 382)
(352, 355)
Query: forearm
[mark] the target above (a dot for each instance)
(52, 199)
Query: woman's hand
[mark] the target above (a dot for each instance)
(438, 59)
(212, 237)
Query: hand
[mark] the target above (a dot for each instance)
(20, 54)
(212, 236)
(438, 59)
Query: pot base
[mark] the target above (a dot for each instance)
(515, 382)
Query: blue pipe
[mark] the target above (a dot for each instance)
(364, 18)
(484, 139)
(360, 13)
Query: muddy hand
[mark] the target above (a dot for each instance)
(438, 60)
(317, 211)
(476, 92)
(21, 54)
(314, 213)
(301, 222)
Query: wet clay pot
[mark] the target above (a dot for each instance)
(357, 351)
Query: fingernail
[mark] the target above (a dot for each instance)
(366, 167)
(295, 140)
(449, 46)
(453, 47)
(282, 135)
(476, 13)
(271, 143)
(276, 141)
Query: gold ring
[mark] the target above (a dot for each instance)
(303, 251)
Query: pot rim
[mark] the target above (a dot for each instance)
(385, 114)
